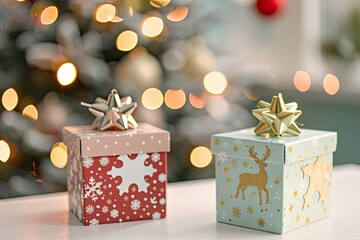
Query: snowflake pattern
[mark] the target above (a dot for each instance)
(162, 177)
(155, 157)
(87, 162)
(105, 209)
(222, 157)
(109, 207)
(135, 204)
(114, 213)
(94, 222)
(104, 161)
(92, 189)
(126, 173)
(89, 209)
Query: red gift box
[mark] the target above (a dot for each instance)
(117, 176)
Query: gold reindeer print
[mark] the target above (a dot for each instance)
(258, 180)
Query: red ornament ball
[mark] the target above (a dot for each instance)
(269, 7)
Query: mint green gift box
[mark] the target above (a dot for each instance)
(273, 184)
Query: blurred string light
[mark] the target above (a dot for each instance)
(105, 13)
(152, 27)
(131, 12)
(302, 81)
(31, 112)
(215, 82)
(126, 41)
(49, 15)
(10, 99)
(159, 3)
(331, 84)
(116, 19)
(175, 99)
(178, 14)
(250, 95)
(152, 98)
(4, 151)
(58, 155)
(197, 101)
(66, 74)
(200, 157)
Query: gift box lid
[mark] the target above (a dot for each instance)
(87, 141)
(287, 149)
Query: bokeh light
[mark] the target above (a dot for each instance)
(126, 40)
(251, 95)
(31, 112)
(49, 15)
(302, 81)
(66, 74)
(58, 155)
(4, 151)
(152, 27)
(117, 19)
(159, 3)
(105, 13)
(215, 82)
(331, 84)
(200, 157)
(175, 99)
(197, 101)
(10, 99)
(152, 98)
(178, 14)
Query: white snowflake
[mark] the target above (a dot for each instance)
(114, 213)
(155, 157)
(105, 209)
(162, 177)
(237, 142)
(222, 157)
(93, 189)
(135, 204)
(156, 215)
(94, 221)
(89, 209)
(132, 172)
(88, 161)
(104, 161)
(162, 201)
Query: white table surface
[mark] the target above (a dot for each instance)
(191, 215)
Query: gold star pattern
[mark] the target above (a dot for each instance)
(276, 180)
(231, 196)
(291, 207)
(245, 164)
(222, 203)
(297, 218)
(228, 179)
(113, 112)
(236, 148)
(317, 173)
(226, 169)
(236, 212)
(277, 118)
(234, 163)
(261, 222)
(217, 142)
(307, 220)
(295, 193)
(250, 209)
(290, 149)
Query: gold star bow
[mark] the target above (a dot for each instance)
(277, 118)
(113, 112)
